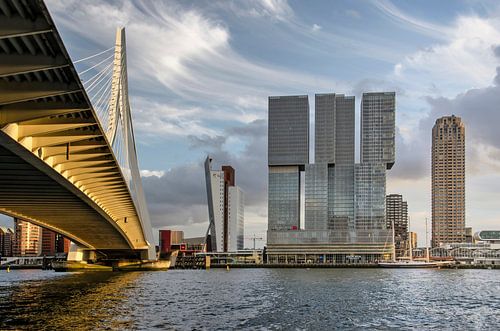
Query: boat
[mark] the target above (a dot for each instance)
(410, 263)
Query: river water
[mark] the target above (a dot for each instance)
(248, 299)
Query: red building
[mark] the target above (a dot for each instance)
(169, 238)
(53, 243)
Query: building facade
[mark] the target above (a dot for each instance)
(397, 216)
(344, 216)
(448, 181)
(53, 243)
(6, 241)
(27, 239)
(226, 209)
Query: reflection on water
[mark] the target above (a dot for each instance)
(252, 299)
(74, 301)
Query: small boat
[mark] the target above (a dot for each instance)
(410, 263)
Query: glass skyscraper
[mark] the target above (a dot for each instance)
(344, 202)
(288, 153)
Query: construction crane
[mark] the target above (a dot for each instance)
(254, 238)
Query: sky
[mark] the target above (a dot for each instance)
(200, 73)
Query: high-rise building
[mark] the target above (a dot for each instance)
(226, 209)
(397, 215)
(27, 238)
(448, 181)
(378, 128)
(344, 203)
(6, 241)
(288, 153)
(331, 178)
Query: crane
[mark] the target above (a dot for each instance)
(254, 238)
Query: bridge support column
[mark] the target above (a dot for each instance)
(79, 254)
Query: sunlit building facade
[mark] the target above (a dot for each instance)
(448, 181)
(27, 239)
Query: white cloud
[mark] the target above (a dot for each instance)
(316, 27)
(407, 21)
(149, 173)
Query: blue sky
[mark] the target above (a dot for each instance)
(200, 73)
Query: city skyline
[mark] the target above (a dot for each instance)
(446, 65)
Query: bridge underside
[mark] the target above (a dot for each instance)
(29, 193)
(57, 168)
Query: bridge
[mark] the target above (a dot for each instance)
(67, 156)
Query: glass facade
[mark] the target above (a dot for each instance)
(378, 128)
(370, 179)
(344, 202)
(316, 196)
(284, 198)
(288, 131)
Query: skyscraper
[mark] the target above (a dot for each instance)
(288, 153)
(448, 181)
(378, 129)
(226, 209)
(344, 201)
(397, 214)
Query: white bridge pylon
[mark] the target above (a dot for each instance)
(120, 135)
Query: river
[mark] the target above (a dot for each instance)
(248, 299)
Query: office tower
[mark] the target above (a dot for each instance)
(329, 183)
(397, 214)
(235, 216)
(448, 181)
(345, 219)
(378, 128)
(27, 238)
(225, 207)
(6, 240)
(288, 153)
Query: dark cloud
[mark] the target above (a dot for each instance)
(206, 140)
(479, 110)
(412, 158)
(257, 128)
(179, 196)
(496, 51)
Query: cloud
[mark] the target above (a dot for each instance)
(462, 61)
(315, 27)
(496, 51)
(206, 141)
(178, 196)
(149, 173)
(410, 22)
